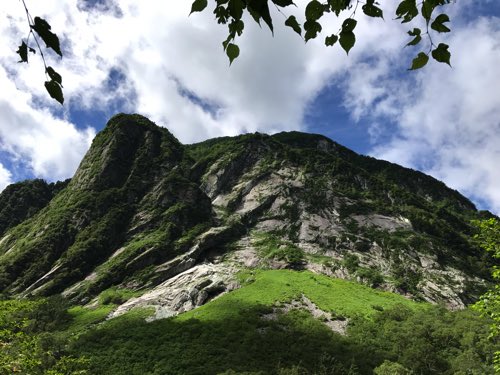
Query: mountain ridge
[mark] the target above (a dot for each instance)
(143, 208)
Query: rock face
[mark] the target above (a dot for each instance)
(189, 289)
(177, 222)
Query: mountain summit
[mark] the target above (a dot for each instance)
(176, 222)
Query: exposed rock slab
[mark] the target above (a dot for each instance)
(191, 288)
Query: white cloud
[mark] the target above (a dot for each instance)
(50, 147)
(160, 49)
(448, 119)
(5, 177)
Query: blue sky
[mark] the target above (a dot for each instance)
(155, 60)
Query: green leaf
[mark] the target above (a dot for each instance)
(420, 61)
(407, 10)
(347, 40)
(372, 11)
(338, 6)
(54, 90)
(23, 52)
(442, 54)
(314, 10)
(260, 9)
(312, 29)
(283, 3)
(346, 36)
(427, 9)
(349, 24)
(236, 27)
(292, 22)
(438, 23)
(416, 33)
(254, 14)
(54, 76)
(232, 51)
(42, 28)
(198, 6)
(221, 14)
(414, 41)
(236, 8)
(331, 40)
(227, 41)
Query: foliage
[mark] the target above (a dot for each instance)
(199, 340)
(231, 13)
(84, 318)
(271, 246)
(405, 278)
(39, 26)
(21, 200)
(488, 237)
(391, 368)
(351, 263)
(372, 276)
(267, 287)
(230, 335)
(426, 341)
(116, 296)
(387, 334)
(27, 342)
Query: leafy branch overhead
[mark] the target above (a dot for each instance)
(230, 13)
(40, 28)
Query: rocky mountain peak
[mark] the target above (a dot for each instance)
(126, 151)
(143, 210)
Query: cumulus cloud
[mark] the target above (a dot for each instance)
(165, 55)
(50, 147)
(5, 177)
(447, 119)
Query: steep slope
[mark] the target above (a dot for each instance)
(176, 222)
(365, 216)
(24, 199)
(125, 206)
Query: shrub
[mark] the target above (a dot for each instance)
(351, 262)
(371, 276)
(115, 296)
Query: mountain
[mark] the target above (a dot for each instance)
(176, 223)
(21, 200)
(256, 254)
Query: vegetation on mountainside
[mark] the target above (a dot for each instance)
(439, 216)
(273, 247)
(250, 330)
(140, 198)
(24, 199)
(88, 221)
(136, 203)
(31, 342)
(489, 304)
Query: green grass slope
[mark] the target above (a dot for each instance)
(274, 287)
(231, 335)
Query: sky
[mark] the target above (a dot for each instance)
(156, 60)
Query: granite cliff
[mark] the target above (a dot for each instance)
(175, 223)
